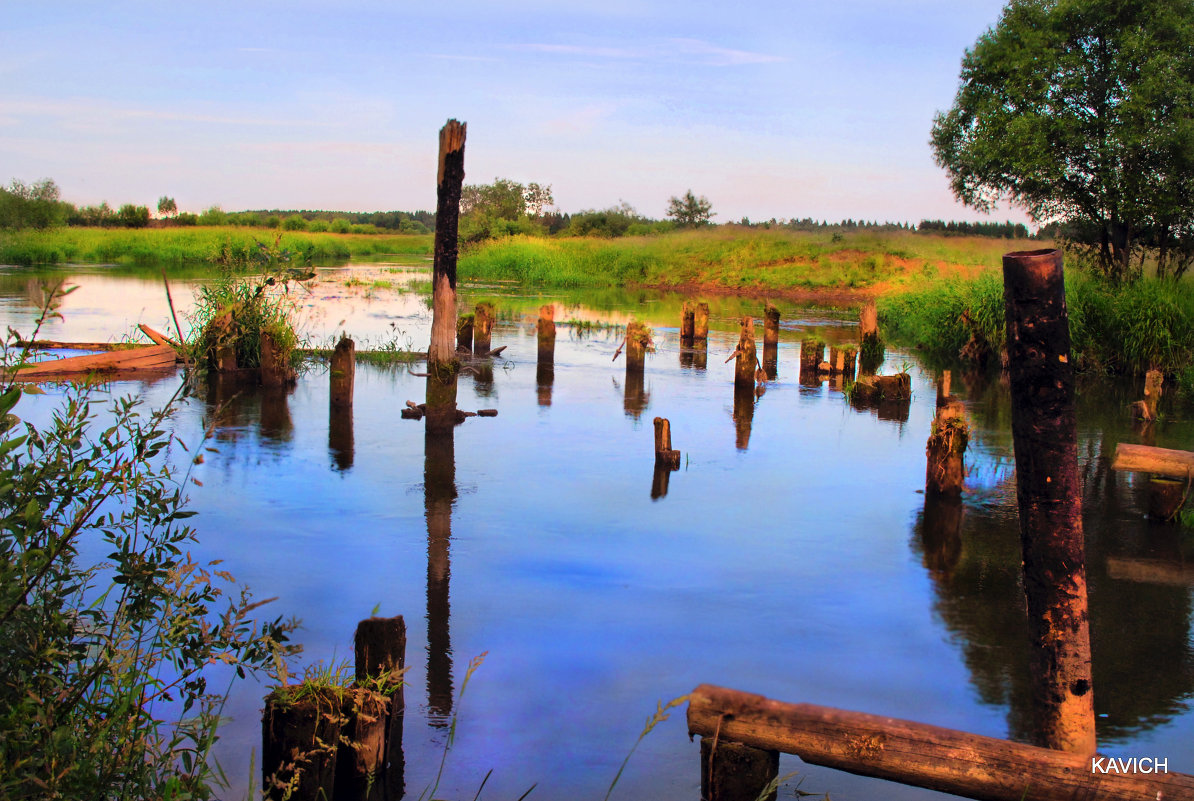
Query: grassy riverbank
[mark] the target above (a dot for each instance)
(730, 258)
(1126, 329)
(220, 245)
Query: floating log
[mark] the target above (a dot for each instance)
(700, 322)
(664, 455)
(464, 333)
(1049, 495)
(687, 324)
(1146, 459)
(945, 470)
(483, 317)
(343, 372)
(921, 755)
(142, 359)
(744, 366)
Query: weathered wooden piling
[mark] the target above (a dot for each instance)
(464, 333)
(343, 373)
(638, 340)
(546, 333)
(875, 388)
(1146, 410)
(921, 755)
(868, 322)
(812, 352)
(379, 645)
(483, 317)
(732, 771)
(770, 325)
(275, 368)
(298, 745)
(945, 470)
(442, 364)
(664, 455)
(687, 325)
(745, 357)
(700, 322)
(1166, 496)
(1049, 493)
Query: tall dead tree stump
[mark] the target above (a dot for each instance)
(1049, 493)
(442, 364)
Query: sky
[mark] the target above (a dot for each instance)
(803, 108)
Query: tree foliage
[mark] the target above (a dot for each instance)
(690, 210)
(502, 208)
(1082, 112)
(167, 206)
(35, 205)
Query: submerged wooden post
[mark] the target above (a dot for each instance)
(343, 372)
(732, 771)
(373, 765)
(811, 354)
(275, 369)
(687, 324)
(664, 455)
(700, 322)
(546, 331)
(464, 332)
(1146, 409)
(868, 322)
(442, 364)
(770, 325)
(483, 316)
(298, 746)
(1049, 492)
(638, 339)
(1165, 497)
(946, 448)
(746, 356)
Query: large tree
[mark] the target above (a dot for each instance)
(690, 210)
(1082, 112)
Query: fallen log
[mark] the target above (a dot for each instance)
(144, 359)
(927, 756)
(1158, 461)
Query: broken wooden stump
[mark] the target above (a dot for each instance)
(868, 322)
(298, 745)
(638, 342)
(1146, 410)
(745, 355)
(343, 373)
(664, 455)
(464, 333)
(687, 325)
(732, 771)
(700, 323)
(275, 367)
(483, 318)
(812, 353)
(770, 325)
(921, 755)
(874, 388)
(946, 470)
(379, 646)
(546, 333)
(1049, 495)
(1166, 496)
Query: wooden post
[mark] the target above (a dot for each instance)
(464, 333)
(770, 325)
(943, 389)
(687, 325)
(638, 339)
(275, 370)
(379, 645)
(700, 322)
(868, 322)
(812, 352)
(945, 450)
(442, 365)
(226, 359)
(1146, 409)
(483, 316)
(343, 372)
(664, 455)
(735, 772)
(744, 364)
(298, 747)
(546, 329)
(1165, 497)
(917, 754)
(1049, 492)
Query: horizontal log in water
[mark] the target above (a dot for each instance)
(917, 754)
(1159, 461)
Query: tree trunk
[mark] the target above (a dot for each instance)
(450, 178)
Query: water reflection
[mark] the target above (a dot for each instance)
(439, 492)
(233, 404)
(340, 436)
(545, 376)
(771, 360)
(744, 415)
(635, 398)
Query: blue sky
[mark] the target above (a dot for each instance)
(794, 109)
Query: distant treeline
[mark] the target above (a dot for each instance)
(1004, 230)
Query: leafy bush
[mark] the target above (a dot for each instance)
(104, 667)
(294, 223)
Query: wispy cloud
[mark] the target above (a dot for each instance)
(86, 108)
(674, 49)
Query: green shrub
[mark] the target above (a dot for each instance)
(294, 223)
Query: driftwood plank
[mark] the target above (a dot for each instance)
(155, 357)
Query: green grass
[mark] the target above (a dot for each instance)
(188, 245)
(1126, 329)
(732, 258)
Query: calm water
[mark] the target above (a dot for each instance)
(793, 554)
